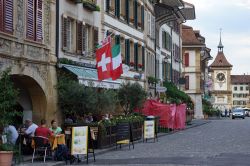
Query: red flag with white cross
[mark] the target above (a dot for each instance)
(104, 61)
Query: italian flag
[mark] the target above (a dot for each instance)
(116, 71)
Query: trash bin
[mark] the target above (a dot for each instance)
(156, 119)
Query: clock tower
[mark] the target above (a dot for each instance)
(221, 75)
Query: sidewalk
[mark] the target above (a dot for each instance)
(27, 159)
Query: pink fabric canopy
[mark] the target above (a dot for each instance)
(171, 115)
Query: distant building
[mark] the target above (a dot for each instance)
(195, 69)
(240, 90)
(221, 75)
(169, 17)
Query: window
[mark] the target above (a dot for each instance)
(186, 82)
(241, 88)
(235, 88)
(112, 6)
(34, 20)
(139, 16)
(186, 59)
(132, 53)
(6, 16)
(68, 34)
(131, 11)
(123, 48)
(123, 9)
(247, 88)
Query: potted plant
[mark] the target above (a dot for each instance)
(89, 5)
(8, 100)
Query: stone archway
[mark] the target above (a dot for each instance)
(32, 98)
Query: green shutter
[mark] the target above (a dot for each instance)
(127, 51)
(117, 39)
(117, 8)
(143, 57)
(135, 14)
(142, 17)
(107, 6)
(136, 55)
(127, 11)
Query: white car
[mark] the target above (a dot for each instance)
(238, 113)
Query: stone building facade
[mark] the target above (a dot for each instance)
(27, 45)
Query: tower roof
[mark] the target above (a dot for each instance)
(220, 46)
(220, 61)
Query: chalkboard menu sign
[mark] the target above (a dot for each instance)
(124, 134)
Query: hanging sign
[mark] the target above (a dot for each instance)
(79, 144)
(149, 129)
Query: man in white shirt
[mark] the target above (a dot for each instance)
(11, 133)
(31, 128)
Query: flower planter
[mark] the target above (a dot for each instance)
(90, 6)
(6, 158)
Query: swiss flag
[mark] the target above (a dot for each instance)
(104, 61)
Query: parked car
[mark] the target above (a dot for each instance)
(238, 113)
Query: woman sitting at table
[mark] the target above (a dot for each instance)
(54, 128)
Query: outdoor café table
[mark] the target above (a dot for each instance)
(54, 141)
(57, 140)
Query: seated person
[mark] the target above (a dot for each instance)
(30, 128)
(11, 133)
(54, 128)
(42, 130)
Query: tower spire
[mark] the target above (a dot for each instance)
(220, 46)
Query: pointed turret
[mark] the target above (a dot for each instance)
(220, 60)
(220, 46)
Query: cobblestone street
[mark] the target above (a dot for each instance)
(220, 142)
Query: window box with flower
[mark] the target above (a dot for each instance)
(131, 65)
(140, 67)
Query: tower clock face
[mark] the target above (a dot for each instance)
(220, 77)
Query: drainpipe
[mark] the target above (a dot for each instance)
(155, 57)
(180, 51)
(57, 28)
(171, 63)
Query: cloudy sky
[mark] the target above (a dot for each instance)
(233, 16)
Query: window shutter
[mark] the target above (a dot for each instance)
(39, 21)
(186, 82)
(142, 17)
(8, 16)
(1, 15)
(136, 55)
(153, 27)
(79, 37)
(127, 11)
(117, 8)
(186, 55)
(84, 38)
(65, 36)
(95, 38)
(127, 51)
(30, 19)
(117, 39)
(143, 57)
(107, 5)
(148, 24)
(135, 14)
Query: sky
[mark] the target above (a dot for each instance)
(233, 17)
